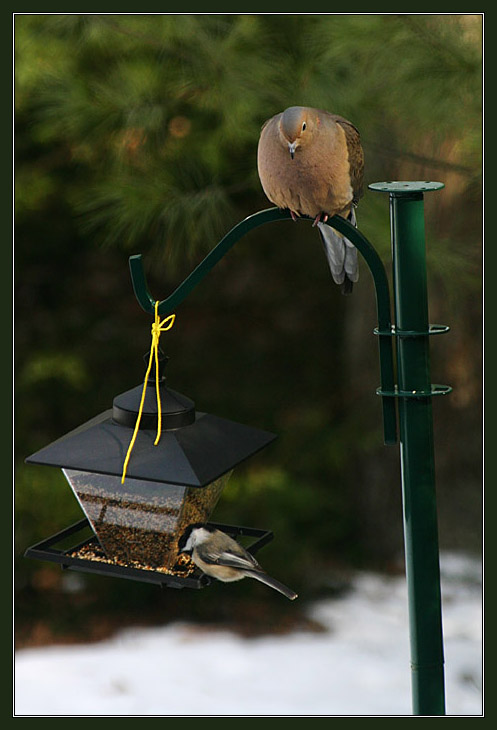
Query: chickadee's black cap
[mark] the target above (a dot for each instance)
(184, 537)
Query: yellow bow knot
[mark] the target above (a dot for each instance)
(158, 328)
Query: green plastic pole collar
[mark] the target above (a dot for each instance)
(433, 329)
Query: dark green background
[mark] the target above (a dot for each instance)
(138, 134)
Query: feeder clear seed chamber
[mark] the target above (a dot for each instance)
(141, 521)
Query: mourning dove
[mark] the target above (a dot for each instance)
(311, 162)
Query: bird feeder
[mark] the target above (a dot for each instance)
(137, 521)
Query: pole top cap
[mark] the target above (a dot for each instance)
(401, 187)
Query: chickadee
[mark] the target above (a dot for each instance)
(221, 557)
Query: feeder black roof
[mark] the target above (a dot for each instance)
(194, 449)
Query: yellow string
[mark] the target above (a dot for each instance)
(157, 328)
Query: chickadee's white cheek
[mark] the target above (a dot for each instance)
(200, 536)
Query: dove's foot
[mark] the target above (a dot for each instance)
(317, 219)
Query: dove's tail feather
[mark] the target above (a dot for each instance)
(341, 255)
(272, 583)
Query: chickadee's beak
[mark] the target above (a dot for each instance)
(292, 146)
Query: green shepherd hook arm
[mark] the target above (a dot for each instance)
(271, 215)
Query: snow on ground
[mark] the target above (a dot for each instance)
(360, 666)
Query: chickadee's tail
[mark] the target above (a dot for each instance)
(341, 255)
(272, 583)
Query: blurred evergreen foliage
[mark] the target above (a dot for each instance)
(138, 133)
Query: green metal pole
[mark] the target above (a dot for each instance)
(416, 443)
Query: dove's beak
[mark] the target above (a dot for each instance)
(291, 148)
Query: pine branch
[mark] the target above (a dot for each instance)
(422, 160)
(449, 54)
(119, 28)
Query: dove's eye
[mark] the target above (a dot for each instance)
(304, 125)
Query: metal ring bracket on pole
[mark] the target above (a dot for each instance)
(271, 215)
(434, 329)
(397, 393)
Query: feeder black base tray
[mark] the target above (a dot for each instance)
(45, 550)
